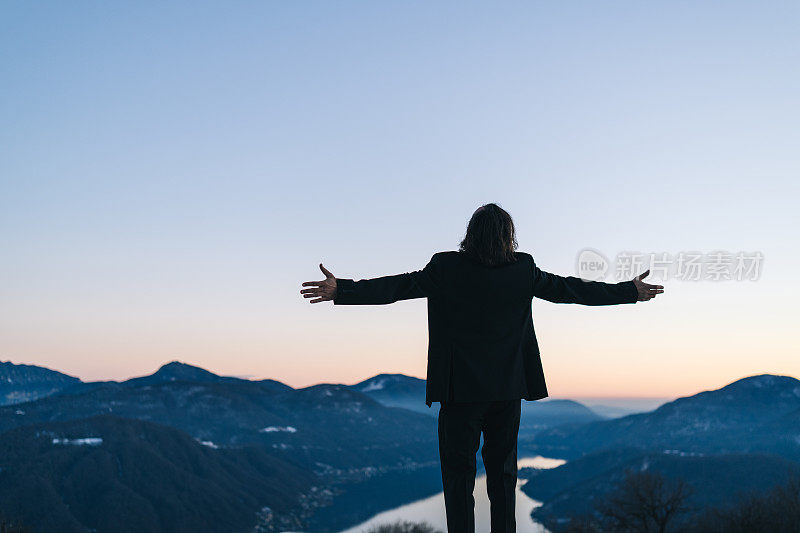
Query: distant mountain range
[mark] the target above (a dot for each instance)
(619, 407)
(753, 414)
(151, 452)
(391, 390)
(726, 443)
(23, 383)
(332, 428)
(399, 390)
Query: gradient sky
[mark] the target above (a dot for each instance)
(170, 174)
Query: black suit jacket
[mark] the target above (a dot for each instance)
(482, 345)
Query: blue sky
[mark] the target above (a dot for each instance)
(171, 174)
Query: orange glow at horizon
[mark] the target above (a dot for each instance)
(698, 336)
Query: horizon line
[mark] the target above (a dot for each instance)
(251, 377)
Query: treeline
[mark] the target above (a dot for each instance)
(9, 525)
(404, 527)
(647, 502)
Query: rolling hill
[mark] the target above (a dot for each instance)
(110, 474)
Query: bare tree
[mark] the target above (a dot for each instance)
(644, 502)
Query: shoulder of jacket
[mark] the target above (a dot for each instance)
(445, 254)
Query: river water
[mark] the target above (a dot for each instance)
(431, 509)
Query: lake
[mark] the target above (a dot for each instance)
(431, 509)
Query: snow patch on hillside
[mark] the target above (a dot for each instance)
(85, 441)
(375, 385)
(273, 429)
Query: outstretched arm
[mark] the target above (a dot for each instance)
(561, 289)
(383, 290)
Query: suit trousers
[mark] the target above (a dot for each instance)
(460, 428)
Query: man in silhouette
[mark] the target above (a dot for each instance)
(483, 357)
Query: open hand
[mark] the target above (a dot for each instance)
(646, 291)
(323, 290)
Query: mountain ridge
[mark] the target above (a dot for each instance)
(20, 383)
(734, 418)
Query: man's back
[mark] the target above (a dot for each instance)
(496, 299)
(482, 345)
(481, 334)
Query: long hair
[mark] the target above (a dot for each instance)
(490, 238)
